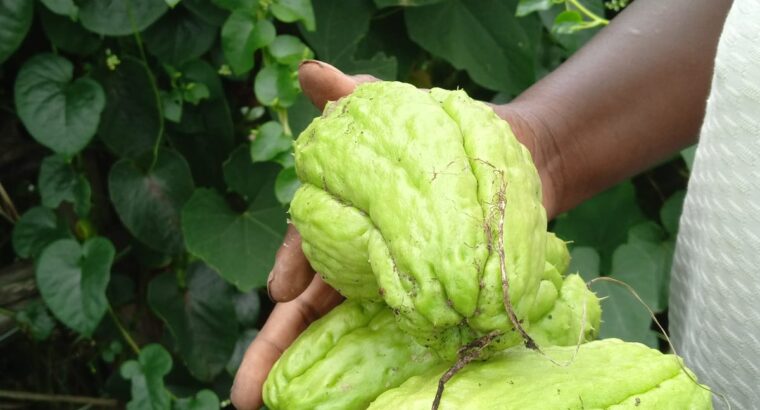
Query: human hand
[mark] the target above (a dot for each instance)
(305, 297)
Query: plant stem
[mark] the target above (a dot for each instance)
(124, 333)
(590, 14)
(153, 86)
(58, 398)
(282, 116)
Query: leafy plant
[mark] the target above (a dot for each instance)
(147, 167)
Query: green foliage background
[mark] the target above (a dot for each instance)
(146, 170)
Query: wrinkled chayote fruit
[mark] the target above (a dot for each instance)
(605, 374)
(345, 360)
(404, 195)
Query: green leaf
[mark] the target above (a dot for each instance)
(286, 185)
(194, 93)
(525, 7)
(58, 182)
(111, 351)
(61, 114)
(289, 50)
(241, 175)
(242, 34)
(35, 230)
(641, 265)
(131, 121)
(179, 36)
(300, 115)
(15, 20)
(484, 38)
(172, 105)
(276, 85)
(269, 141)
(349, 24)
(404, 3)
(207, 11)
(68, 35)
(203, 400)
(623, 316)
(201, 318)
(584, 261)
(671, 212)
(148, 198)
(571, 42)
(147, 376)
(34, 319)
(247, 307)
(63, 7)
(290, 11)
(568, 22)
(240, 246)
(245, 339)
(120, 17)
(688, 155)
(235, 5)
(602, 222)
(205, 136)
(72, 279)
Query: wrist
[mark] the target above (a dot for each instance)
(537, 138)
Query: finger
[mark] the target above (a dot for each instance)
(286, 322)
(322, 82)
(291, 273)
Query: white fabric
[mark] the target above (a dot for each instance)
(715, 285)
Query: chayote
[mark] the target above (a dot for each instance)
(345, 360)
(605, 374)
(414, 197)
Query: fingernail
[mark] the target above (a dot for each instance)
(270, 279)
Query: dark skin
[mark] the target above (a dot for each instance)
(631, 98)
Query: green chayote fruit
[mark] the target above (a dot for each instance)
(345, 360)
(605, 374)
(404, 195)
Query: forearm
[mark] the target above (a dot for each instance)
(630, 98)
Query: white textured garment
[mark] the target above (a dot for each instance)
(715, 285)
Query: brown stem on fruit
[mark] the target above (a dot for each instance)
(467, 353)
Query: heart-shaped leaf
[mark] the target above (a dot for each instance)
(15, 19)
(63, 7)
(290, 11)
(37, 228)
(485, 38)
(269, 141)
(67, 34)
(179, 36)
(289, 50)
(61, 114)
(131, 122)
(242, 34)
(276, 85)
(147, 376)
(286, 184)
(59, 182)
(201, 318)
(240, 246)
(148, 197)
(120, 17)
(72, 279)
(34, 318)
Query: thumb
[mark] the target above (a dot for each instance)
(322, 82)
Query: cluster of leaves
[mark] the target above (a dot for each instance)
(161, 192)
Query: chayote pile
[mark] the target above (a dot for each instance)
(416, 205)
